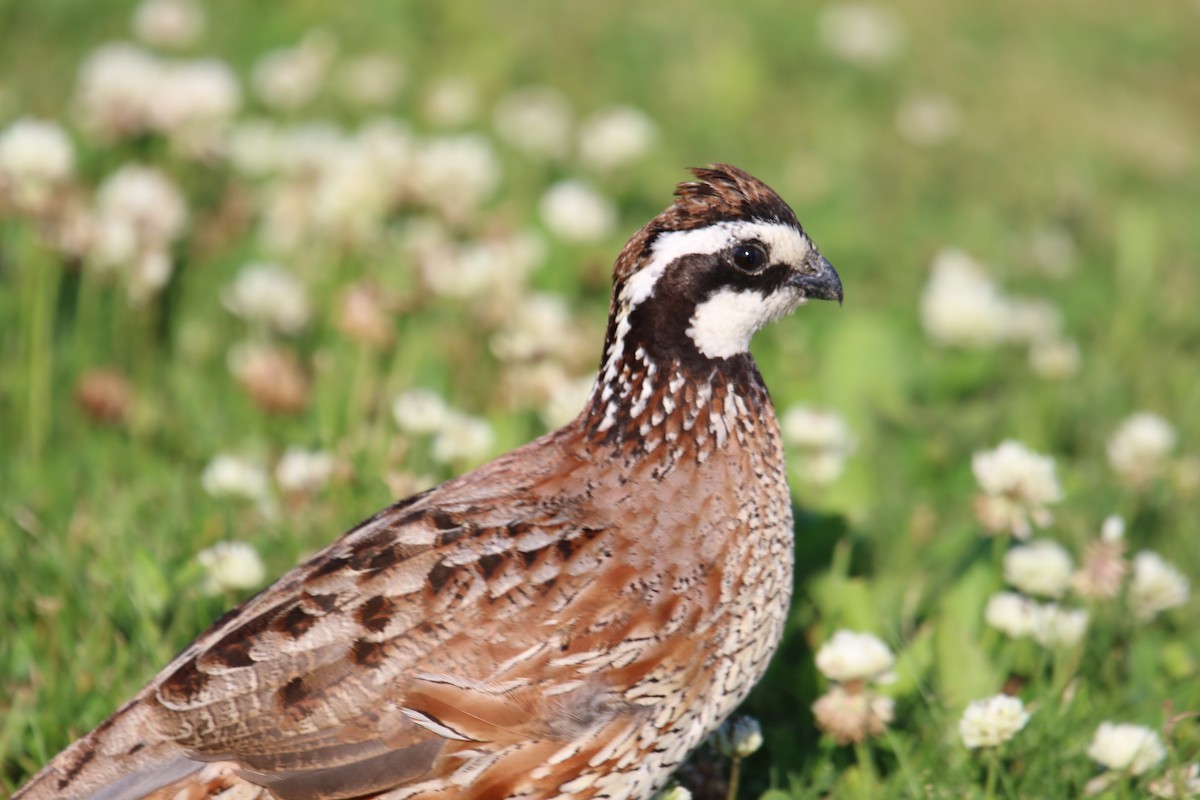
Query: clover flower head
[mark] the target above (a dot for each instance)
(1156, 586)
(1017, 485)
(231, 566)
(1042, 567)
(992, 721)
(1125, 747)
(852, 656)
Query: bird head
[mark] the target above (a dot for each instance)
(700, 279)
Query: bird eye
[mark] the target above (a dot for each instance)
(749, 257)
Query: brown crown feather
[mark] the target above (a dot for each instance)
(722, 193)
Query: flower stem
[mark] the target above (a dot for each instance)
(866, 765)
(999, 547)
(40, 287)
(735, 774)
(906, 769)
(989, 789)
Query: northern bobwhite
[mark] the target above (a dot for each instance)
(569, 620)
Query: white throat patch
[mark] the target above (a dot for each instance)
(723, 324)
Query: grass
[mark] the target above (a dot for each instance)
(1078, 116)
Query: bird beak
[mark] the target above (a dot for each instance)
(818, 279)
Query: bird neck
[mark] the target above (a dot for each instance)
(641, 402)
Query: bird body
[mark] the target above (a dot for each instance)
(569, 620)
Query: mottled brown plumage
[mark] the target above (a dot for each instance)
(570, 619)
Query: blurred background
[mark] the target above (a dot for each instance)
(264, 269)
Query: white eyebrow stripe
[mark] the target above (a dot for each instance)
(785, 243)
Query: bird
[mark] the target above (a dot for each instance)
(570, 619)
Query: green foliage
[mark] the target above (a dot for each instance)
(1074, 117)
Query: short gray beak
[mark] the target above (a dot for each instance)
(819, 279)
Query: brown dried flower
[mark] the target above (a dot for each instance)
(362, 316)
(104, 395)
(852, 716)
(272, 376)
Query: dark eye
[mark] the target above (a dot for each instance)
(749, 257)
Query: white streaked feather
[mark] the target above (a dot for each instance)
(433, 726)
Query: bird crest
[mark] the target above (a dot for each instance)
(724, 192)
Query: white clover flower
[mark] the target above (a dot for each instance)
(36, 157)
(291, 77)
(540, 327)
(303, 471)
(1054, 359)
(232, 476)
(1139, 448)
(1031, 319)
(1055, 626)
(451, 101)
(738, 737)
(928, 119)
(1171, 784)
(535, 120)
(391, 144)
(124, 91)
(194, 98)
(357, 184)
(254, 147)
(1018, 484)
(148, 273)
(861, 33)
(139, 213)
(1113, 528)
(852, 716)
(1012, 614)
(852, 656)
(111, 244)
(674, 792)
(351, 198)
(614, 137)
(456, 173)
(421, 412)
(575, 212)
(992, 722)
(116, 90)
(371, 80)
(1042, 567)
(494, 268)
(270, 295)
(566, 399)
(824, 439)
(145, 199)
(961, 305)
(231, 566)
(1156, 586)
(304, 149)
(168, 23)
(462, 437)
(1126, 747)
(287, 217)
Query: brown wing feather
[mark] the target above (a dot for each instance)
(361, 662)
